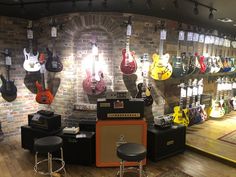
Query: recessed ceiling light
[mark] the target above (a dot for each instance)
(225, 20)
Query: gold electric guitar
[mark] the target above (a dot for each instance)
(181, 115)
(161, 69)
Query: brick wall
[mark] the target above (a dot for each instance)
(73, 46)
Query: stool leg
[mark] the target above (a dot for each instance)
(121, 169)
(50, 163)
(140, 169)
(36, 161)
(62, 157)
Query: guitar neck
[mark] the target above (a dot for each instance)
(161, 47)
(31, 46)
(127, 44)
(8, 73)
(43, 81)
(53, 46)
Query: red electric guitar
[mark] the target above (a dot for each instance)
(44, 96)
(128, 64)
(94, 84)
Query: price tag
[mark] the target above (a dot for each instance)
(189, 91)
(201, 38)
(42, 69)
(183, 92)
(53, 31)
(233, 43)
(207, 39)
(163, 34)
(8, 60)
(217, 40)
(190, 36)
(30, 34)
(195, 37)
(221, 42)
(181, 35)
(195, 91)
(228, 43)
(129, 29)
(200, 90)
(219, 87)
(234, 85)
(212, 39)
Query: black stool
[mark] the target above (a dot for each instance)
(131, 152)
(48, 145)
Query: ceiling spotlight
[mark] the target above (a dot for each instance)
(73, 3)
(130, 3)
(90, 4)
(104, 3)
(176, 4)
(211, 16)
(225, 20)
(195, 9)
(149, 4)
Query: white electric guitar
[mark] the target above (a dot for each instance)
(31, 63)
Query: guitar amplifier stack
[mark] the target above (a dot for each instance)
(119, 106)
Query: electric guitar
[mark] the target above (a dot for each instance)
(128, 64)
(53, 63)
(216, 110)
(43, 96)
(161, 69)
(203, 66)
(198, 103)
(180, 115)
(233, 98)
(179, 65)
(144, 90)
(94, 83)
(8, 88)
(31, 63)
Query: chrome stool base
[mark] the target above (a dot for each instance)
(138, 170)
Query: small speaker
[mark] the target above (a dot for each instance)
(112, 133)
(162, 143)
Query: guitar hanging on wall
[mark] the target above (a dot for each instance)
(44, 96)
(8, 88)
(31, 63)
(94, 83)
(161, 69)
(144, 90)
(128, 64)
(53, 63)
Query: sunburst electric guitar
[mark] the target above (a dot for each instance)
(144, 90)
(44, 96)
(128, 64)
(181, 115)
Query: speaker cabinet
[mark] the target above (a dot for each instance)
(111, 133)
(162, 143)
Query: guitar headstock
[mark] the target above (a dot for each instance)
(182, 85)
(195, 82)
(129, 27)
(200, 82)
(7, 55)
(53, 25)
(30, 34)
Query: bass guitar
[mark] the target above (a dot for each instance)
(144, 90)
(180, 115)
(94, 83)
(53, 63)
(43, 96)
(31, 63)
(8, 88)
(128, 64)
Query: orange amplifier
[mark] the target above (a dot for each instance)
(120, 109)
(111, 133)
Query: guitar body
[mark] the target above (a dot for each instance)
(208, 65)
(128, 64)
(216, 110)
(179, 70)
(43, 96)
(202, 64)
(194, 65)
(160, 70)
(181, 116)
(31, 63)
(144, 93)
(8, 88)
(92, 86)
(53, 63)
(226, 65)
(233, 103)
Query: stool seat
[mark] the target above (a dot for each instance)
(48, 144)
(131, 152)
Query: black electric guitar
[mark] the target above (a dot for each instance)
(144, 90)
(8, 88)
(53, 63)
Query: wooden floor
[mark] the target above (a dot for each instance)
(15, 161)
(204, 137)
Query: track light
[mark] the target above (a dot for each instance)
(176, 4)
(149, 4)
(211, 16)
(73, 4)
(130, 3)
(104, 4)
(195, 9)
(90, 4)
